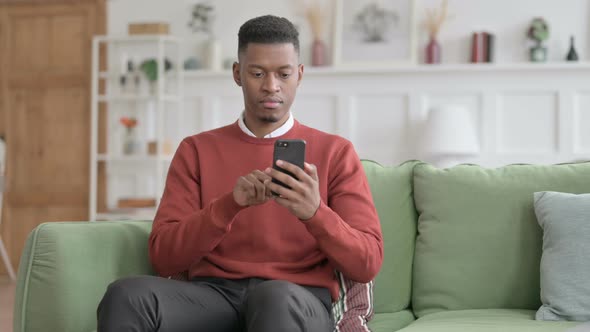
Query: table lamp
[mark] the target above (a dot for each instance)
(449, 135)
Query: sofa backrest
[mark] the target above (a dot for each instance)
(391, 188)
(479, 243)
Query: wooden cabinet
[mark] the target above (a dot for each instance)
(45, 94)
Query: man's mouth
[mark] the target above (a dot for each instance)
(271, 102)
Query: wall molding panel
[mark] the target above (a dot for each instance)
(528, 113)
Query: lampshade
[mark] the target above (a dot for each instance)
(450, 131)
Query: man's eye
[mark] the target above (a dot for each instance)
(257, 74)
(285, 75)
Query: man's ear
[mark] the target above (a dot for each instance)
(300, 69)
(236, 72)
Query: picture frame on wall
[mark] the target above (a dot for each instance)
(374, 33)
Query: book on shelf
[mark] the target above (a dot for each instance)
(148, 28)
(482, 47)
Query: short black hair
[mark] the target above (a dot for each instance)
(267, 29)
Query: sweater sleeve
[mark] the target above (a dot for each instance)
(347, 228)
(184, 231)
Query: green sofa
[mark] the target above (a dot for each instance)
(462, 253)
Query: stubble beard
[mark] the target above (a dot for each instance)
(269, 119)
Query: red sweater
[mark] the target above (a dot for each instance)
(199, 227)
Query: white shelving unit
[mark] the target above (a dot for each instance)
(156, 106)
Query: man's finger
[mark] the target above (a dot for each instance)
(268, 192)
(244, 182)
(296, 170)
(312, 171)
(283, 202)
(259, 187)
(283, 192)
(285, 178)
(261, 176)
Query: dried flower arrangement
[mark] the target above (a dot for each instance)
(128, 122)
(435, 18)
(315, 14)
(130, 144)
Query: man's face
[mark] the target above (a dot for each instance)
(269, 75)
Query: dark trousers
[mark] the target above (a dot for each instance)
(147, 303)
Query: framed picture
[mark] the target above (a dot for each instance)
(374, 32)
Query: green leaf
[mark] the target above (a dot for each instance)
(150, 68)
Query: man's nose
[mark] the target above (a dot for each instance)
(271, 84)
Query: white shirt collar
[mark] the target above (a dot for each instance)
(278, 132)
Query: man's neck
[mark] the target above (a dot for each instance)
(261, 130)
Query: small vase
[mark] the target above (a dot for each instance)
(433, 51)
(318, 53)
(572, 55)
(130, 144)
(538, 53)
(214, 57)
(152, 88)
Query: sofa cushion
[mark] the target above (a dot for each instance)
(390, 322)
(486, 320)
(392, 193)
(565, 272)
(479, 243)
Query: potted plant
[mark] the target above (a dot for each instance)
(150, 69)
(201, 22)
(538, 32)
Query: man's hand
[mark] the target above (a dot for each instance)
(303, 199)
(250, 189)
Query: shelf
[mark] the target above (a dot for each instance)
(161, 101)
(416, 68)
(113, 75)
(458, 67)
(138, 39)
(144, 98)
(133, 158)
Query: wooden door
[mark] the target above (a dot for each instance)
(46, 68)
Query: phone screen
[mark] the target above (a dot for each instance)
(292, 151)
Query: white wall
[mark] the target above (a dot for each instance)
(508, 19)
(230, 16)
(523, 113)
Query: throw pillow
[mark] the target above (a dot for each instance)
(354, 307)
(565, 272)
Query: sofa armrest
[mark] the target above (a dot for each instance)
(65, 269)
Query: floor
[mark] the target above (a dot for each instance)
(7, 289)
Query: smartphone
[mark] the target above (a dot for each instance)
(289, 150)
